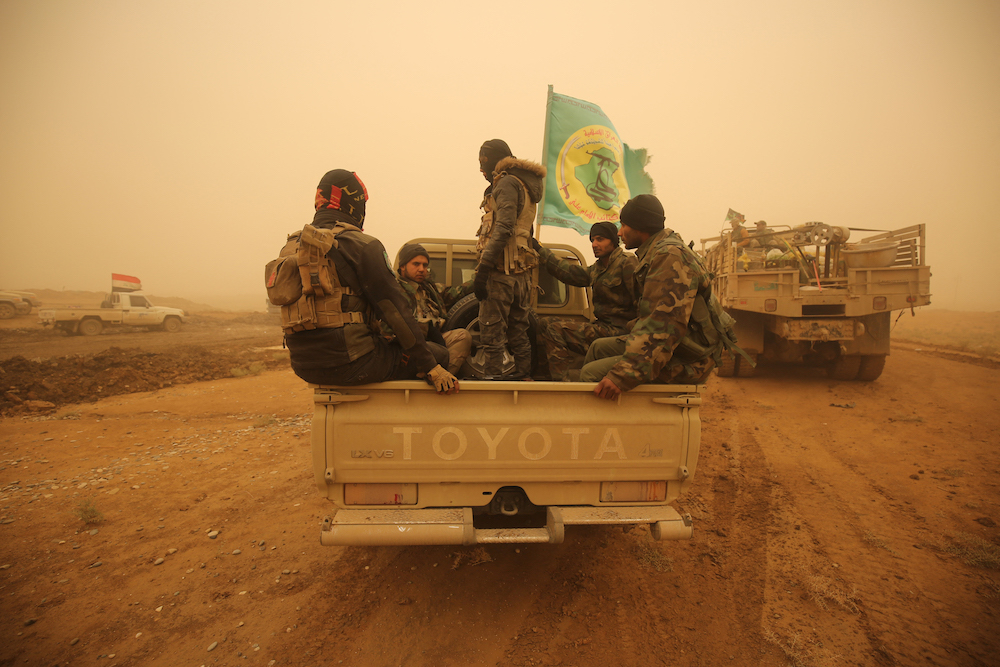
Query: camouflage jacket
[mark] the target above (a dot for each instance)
(430, 302)
(614, 287)
(669, 277)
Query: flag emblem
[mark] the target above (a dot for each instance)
(592, 173)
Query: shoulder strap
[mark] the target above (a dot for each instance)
(344, 270)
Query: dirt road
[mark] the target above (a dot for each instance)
(835, 524)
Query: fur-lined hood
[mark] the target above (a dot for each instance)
(528, 172)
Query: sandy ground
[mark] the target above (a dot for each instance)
(836, 523)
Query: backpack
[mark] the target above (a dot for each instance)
(304, 280)
(711, 330)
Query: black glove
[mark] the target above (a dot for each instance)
(535, 244)
(479, 286)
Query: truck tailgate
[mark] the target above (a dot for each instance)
(406, 466)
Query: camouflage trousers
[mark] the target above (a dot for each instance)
(503, 321)
(604, 353)
(567, 340)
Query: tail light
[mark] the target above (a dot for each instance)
(633, 492)
(878, 303)
(380, 494)
(770, 305)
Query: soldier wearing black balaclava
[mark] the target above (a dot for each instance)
(506, 257)
(345, 347)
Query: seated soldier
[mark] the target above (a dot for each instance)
(430, 303)
(669, 278)
(740, 237)
(611, 277)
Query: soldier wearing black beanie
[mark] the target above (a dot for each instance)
(643, 213)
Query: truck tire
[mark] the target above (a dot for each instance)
(727, 367)
(844, 367)
(464, 314)
(7, 311)
(871, 367)
(744, 369)
(90, 327)
(171, 325)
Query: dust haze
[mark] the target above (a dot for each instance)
(178, 142)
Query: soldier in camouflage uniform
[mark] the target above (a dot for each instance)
(669, 277)
(430, 303)
(611, 278)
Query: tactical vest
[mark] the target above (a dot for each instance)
(518, 255)
(303, 280)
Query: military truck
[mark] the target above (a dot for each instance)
(805, 294)
(502, 461)
(117, 309)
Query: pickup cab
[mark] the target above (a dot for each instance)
(501, 462)
(118, 309)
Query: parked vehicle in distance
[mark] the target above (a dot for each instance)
(29, 298)
(118, 309)
(12, 305)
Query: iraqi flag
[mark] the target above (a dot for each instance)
(122, 283)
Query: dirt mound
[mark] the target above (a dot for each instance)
(43, 384)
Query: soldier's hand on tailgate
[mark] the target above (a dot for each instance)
(607, 389)
(443, 381)
(479, 286)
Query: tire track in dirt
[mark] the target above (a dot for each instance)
(847, 543)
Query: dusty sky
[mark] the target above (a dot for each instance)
(180, 141)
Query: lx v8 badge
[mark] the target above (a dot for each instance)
(372, 453)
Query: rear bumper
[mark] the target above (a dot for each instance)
(454, 526)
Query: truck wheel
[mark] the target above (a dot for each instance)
(744, 369)
(171, 325)
(464, 314)
(844, 367)
(90, 327)
(7, 311)
(871, 367)
(727, 367)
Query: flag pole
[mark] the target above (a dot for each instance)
(545, 161)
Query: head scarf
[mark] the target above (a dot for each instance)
(343, 191)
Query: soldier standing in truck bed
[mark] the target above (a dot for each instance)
(503, 274)
(612, 280)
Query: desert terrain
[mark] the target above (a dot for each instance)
(836, 523)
